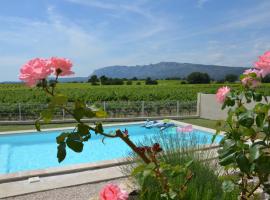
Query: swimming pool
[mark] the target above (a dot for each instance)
(37, 150)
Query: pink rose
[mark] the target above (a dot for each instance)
(63, 64)
(222, 93)
(35, 70)
(250, 71)
(263, 64)
(249, 80)
(112, 192)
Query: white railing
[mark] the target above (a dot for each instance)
(114, 109)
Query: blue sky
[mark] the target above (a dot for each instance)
(98, 33)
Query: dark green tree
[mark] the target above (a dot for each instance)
(93, 80)
(266, 79)
(231, 78)
(198, 77)
(149, 81)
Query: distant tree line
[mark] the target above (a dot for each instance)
(193, 78)
(104, 80)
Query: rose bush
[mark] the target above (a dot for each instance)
(245, 148)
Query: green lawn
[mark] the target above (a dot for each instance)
(200, 122)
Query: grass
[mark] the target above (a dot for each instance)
(201, 122)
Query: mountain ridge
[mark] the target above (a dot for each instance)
(164, 70)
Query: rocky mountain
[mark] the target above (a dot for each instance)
(164, 70)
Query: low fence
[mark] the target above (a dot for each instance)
(122, 109)
(209, 108)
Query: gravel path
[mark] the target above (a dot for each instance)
(82, 192)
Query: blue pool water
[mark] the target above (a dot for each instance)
(31, 151)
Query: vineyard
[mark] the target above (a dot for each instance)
(18, 102)
(165, 90)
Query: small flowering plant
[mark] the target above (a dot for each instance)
(36, 73)
(245, 147)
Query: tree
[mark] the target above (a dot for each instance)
(103, 79)
(266, 79)
(149, 81)
(93, 80)
(134, 78)
(129, 82)
(198, 77)
(231, 78)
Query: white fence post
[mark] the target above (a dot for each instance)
(104, 106)
(177, 108)
(142, 114)
(20, 112)
(63, 112)
(198, 113)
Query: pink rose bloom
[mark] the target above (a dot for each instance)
(250, 71)
(263, 64)
(63, 64)
(35, 70)
(112, 192)
(249, 80)
(222, 93)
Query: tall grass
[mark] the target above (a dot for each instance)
(179, 149)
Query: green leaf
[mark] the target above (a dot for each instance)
(225, 152)
(137, 170)
(246, 131)
(257, 97)
(47, 115)
(61, 138)
(189, 163)
(246, 119)
(146, 173)
(172, 194)
(266, 128)
(99, 128)
(59, 99)
(243, 163)
(75, 145)
(263, 164)
(61, 152)
(261, 108)
(248, 96)
(79, 110)
(37, 125)
(150, 166)
(260, 119)
(254, 153)
(228, 186)
(227, 160)
(83, 129)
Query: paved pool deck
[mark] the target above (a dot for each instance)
(80, 192)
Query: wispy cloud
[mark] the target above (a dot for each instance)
(201, 3)
(98, 33)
